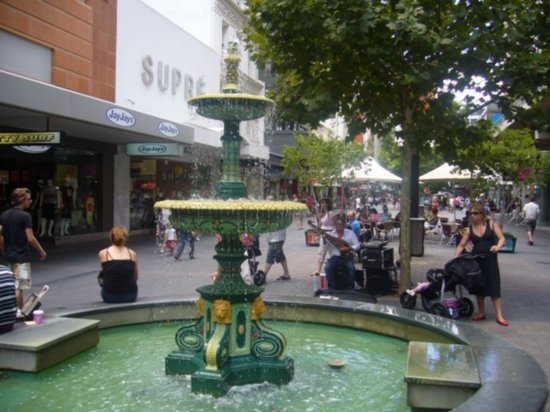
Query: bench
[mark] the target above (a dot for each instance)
(440, 376)
(32, 348)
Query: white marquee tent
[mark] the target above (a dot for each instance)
(370, 171)
(446, 173)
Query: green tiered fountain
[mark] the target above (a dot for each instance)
(230, 345)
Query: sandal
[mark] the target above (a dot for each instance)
(284, 278)
(479, 317)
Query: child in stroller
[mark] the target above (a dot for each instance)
(249, 268)
(251, 245)
(442, 293)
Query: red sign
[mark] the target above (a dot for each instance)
(148, 186)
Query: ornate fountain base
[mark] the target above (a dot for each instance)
(230, 345)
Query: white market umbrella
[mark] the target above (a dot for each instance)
(446, 173)
(370, 171)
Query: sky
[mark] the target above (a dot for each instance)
(190, 15)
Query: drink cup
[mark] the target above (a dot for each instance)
(316, 283)
(38, 316)
(323, 281)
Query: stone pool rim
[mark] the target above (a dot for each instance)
(511, 379)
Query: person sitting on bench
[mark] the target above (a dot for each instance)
(341, 244)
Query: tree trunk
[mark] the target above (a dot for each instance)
(405, 233)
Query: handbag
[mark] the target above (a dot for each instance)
(100, 278)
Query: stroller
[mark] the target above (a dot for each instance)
(251, 251)
(442, 293)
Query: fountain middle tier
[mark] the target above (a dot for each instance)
(231, 216)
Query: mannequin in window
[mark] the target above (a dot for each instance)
(37, 205)
(68, 204)
(50, 203)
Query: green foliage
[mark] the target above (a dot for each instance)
(509, 154)
(390, 156)
(400, 62)
(314, 160)
(392, 60)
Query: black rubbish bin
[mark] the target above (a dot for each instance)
(417, 236)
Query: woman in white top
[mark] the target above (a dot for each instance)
(324, 221)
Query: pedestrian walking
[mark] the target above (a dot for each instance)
(275, 253)
(185, 236)
(170, 239)
(16, 235)
(531, 213)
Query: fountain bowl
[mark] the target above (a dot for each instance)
(231, 216)
(231, 106)
(511, 379)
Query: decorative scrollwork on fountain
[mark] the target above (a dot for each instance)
(267, 343)
(190, 337)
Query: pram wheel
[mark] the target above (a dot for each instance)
(427, 296)
(465, 307)
(440, 310)
(407, 301)
(259, 278)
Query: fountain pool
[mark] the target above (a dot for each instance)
(125, 372)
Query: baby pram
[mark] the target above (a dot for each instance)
(442, 293)
(252, 251)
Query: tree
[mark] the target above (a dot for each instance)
(390, 156)
(399, 62)
(314, 160)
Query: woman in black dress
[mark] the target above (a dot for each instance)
(486, 239)
(119, 269)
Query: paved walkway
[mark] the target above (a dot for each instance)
(71, 272)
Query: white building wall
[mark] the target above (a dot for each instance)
(190, 63)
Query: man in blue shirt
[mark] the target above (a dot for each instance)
(354, 224)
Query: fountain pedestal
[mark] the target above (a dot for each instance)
(231, 185)
(229, 344)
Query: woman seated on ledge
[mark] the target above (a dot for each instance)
(119, 269)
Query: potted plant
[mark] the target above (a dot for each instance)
(510, 245)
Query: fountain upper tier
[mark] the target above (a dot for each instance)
(232, 104)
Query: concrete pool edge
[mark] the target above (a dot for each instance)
(511, 379)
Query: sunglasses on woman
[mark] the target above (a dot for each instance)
(475, 213)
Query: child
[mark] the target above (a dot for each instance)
(170, 239)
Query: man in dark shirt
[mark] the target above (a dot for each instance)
(15, 237)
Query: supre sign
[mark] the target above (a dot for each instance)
(170, 78)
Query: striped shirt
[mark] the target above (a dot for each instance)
(8, 304)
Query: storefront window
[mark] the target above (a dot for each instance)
(64, 184)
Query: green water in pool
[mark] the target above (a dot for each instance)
(125, 372)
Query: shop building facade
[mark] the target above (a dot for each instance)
(115, 92)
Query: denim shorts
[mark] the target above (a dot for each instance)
(275, 253)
